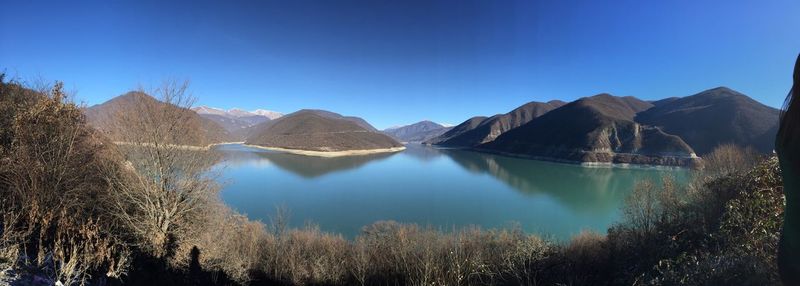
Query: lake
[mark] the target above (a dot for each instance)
(442, 188)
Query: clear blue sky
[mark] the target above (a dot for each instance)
(395, 62)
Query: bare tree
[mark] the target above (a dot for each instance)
(162, 195)
(50, 190)
(642, 209)
(729, 158)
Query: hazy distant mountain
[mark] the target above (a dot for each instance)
(103, 117)
(236, 121)
(319, 130)
(417, 132)
(490, 128)
(600, 128)
(714, 117)
(267, 113)
(236, 112)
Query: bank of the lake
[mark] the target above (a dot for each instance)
(329, 153)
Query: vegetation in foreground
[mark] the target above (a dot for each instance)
(81, 210)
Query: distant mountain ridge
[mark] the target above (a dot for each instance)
(237, 122)
(475, 133)
(597, 129)
(417, 132)
(237, 113)
(611, 129)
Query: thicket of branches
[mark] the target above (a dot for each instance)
(81, 209)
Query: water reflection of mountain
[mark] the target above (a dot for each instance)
(304, 166)
(311, 167)
(583, 189)
(422, 152)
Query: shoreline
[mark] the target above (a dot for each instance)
(589, 164)
(182, 147)
(329, 154)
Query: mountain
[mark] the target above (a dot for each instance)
(490, 128)
(237, 113)
(599, 129)
(457, 130)
(417, 132)
(267, 113)
(124, 111)
(234, 125)
(716, 116)
(357, 120)
(236, 121)
(319, 130)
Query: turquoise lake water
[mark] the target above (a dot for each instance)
(442, 188)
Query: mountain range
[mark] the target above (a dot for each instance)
(611, 129)
(236, 121)
(597, 129)
(476, 131)
(418, 132)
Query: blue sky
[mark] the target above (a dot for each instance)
(396, 62)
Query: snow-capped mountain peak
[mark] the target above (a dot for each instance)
(209, 110)
(267, 113)
(237, 112)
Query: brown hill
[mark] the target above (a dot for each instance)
(716, 116)
(457, 130)
(595, 129)
(418, 132)
(120, 116)
(490, 128)
(316, 130)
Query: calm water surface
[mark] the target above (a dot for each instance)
(444, 188)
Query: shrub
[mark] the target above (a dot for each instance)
(51, 189)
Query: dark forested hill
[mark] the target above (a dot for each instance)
(716, 116)
(600, 128)
(490, 128)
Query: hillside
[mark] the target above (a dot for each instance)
(357, 120)
(490, 128)
(118, 116)
(417, 132)
(236, 122)
(323, 131)
(714, 117)
(457, 130)
(599, 129)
